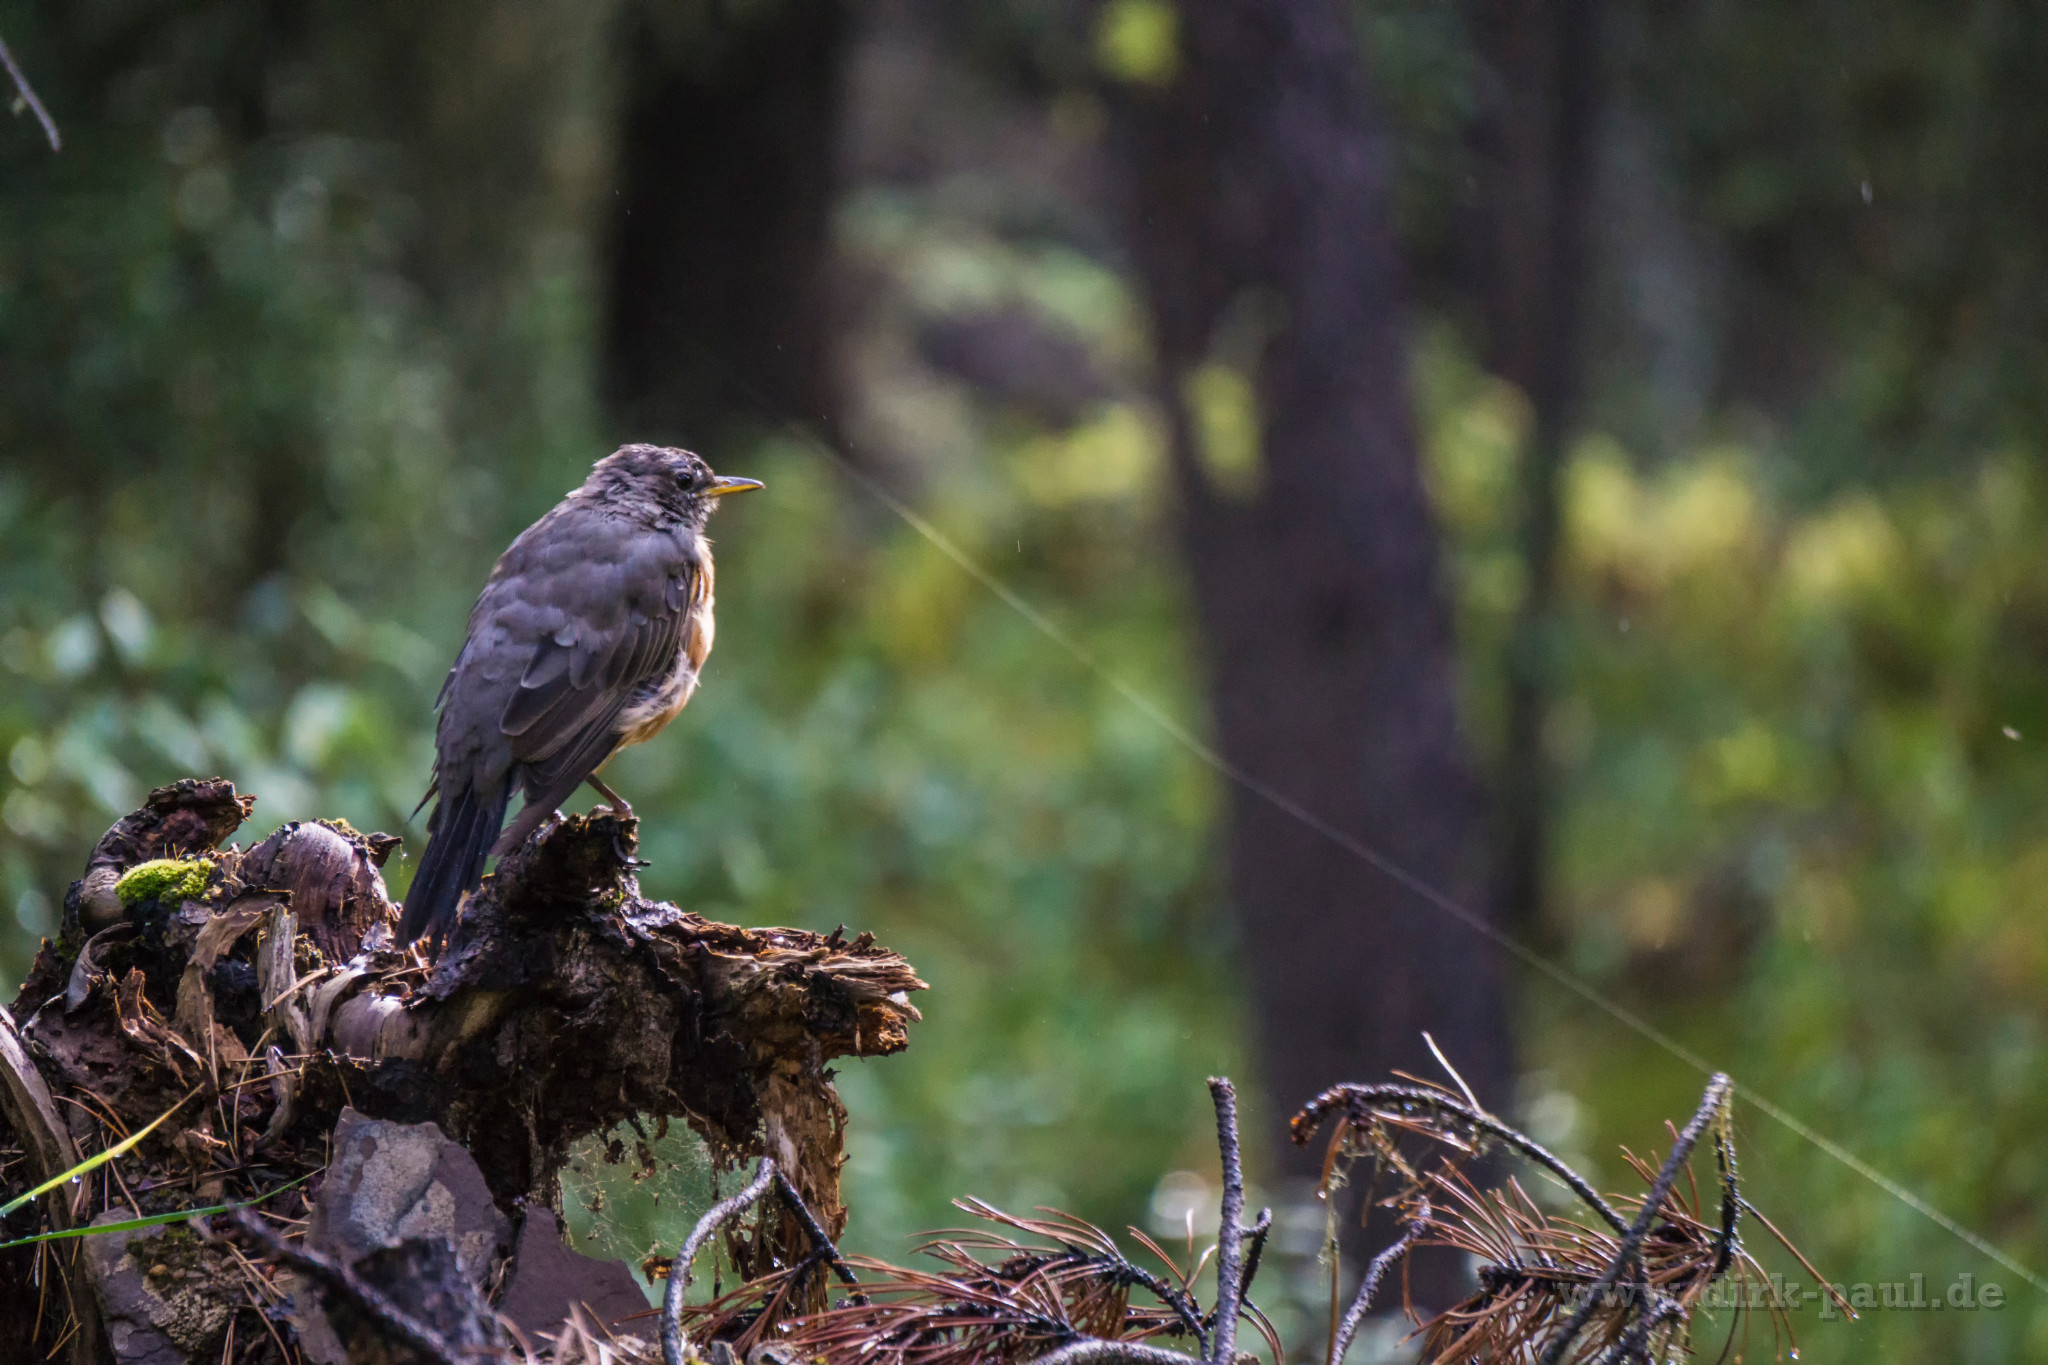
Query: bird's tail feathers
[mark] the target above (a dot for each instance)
(464, 827)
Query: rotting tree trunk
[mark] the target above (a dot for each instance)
(1259, 222)
(256, 992)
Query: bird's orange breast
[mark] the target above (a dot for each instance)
(647, 718)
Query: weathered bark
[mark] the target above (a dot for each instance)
(719, 232)
(257, 993)
(1259, 189)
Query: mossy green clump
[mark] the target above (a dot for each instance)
(164, 879)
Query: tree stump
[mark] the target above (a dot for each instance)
(255, 995)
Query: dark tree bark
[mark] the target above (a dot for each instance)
(1536, 149)
(1259, 180)
(720, 230)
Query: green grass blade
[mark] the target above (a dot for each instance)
(155, 1219)
(94, 1162)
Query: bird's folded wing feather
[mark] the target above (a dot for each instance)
(609, 633)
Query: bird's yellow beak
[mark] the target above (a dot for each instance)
(721, 486)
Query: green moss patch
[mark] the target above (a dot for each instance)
(161, 879)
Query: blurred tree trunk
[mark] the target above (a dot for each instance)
(1536, 148)
(719, 234)
(1260, 225)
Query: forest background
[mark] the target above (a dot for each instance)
(318, 305)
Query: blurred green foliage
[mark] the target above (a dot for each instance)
(1802, 760)
(266, 416)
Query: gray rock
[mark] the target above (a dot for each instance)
(391, 1182)
(163, 1319)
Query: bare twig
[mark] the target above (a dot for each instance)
(1353, 1098)
(1361, 1304)
(679, 1272)
(1069, 1303)
(1257, 1236)
(821, 1242)
(1230, 1237)
(1731, 1201)
(1102, 1253)
(341, 1278)
(28, 97)
(1635, 1343)
(1181, 1302)
(1096, 1351)
(1629, 1254)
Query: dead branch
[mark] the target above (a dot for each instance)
(721, 1213)
(1366, 1104)
(1230, 1236)
(822, 1244)
(1628, 1255)
(1256, 1237)
(1369, 1287)
(996, 1298)
(564, 1004)
(337, 1277)
(1547, 1285)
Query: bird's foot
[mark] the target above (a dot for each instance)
(615, 803)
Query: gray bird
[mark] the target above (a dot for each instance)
(588, 637)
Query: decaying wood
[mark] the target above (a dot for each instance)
(263, 996)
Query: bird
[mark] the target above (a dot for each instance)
(589, 636)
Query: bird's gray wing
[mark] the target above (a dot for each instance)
(551, 720)
(602, 629)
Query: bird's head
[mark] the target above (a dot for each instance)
(678, 482)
